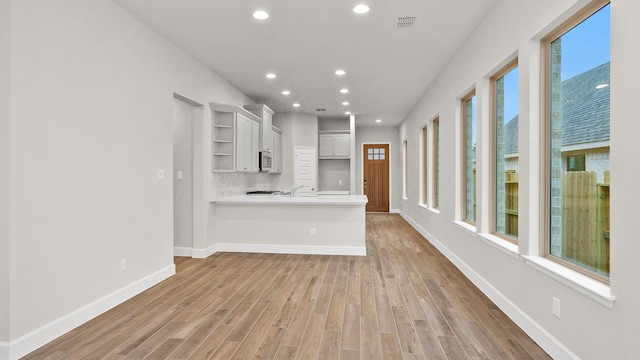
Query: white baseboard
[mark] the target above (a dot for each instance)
(182, 251)
(203, 253)
(43, 335)
(395, 211)
(293, 249)
(548, 342)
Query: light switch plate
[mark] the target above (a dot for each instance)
(160, 175)
(179, 175)
(556, 307)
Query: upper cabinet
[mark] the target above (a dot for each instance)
(235, 134)
(276, 155)
(247, 144)
(334, 145)
(266, 114)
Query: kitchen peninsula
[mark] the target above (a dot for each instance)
(324, 224)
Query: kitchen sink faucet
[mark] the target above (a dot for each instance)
(294, 189)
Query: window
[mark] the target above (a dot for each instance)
(425, 161)
(436, 154)
(578, 142)
(505, 120)
(469, 128)
(404, 169)
(576, 163)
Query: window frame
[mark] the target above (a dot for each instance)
(405, 167)
(545, 163)
(494, 151)
(424, 163)
(463, 135)
(435, 170)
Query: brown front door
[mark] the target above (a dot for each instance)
(376, 177)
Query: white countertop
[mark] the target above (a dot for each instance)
(298, 200)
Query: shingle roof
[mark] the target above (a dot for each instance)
(511, 140)
(585, 110)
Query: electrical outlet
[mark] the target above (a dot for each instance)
(339, 182)
(179, 175)
(312, 231)
(160, 175)
(556, 307)
(123, 265)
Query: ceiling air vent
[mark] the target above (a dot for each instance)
(321, 109)
(406, 22)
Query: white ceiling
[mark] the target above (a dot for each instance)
(304, 41)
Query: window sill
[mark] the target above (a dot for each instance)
(501, 244)
(591, 288)
(466, 226)
(426, 207)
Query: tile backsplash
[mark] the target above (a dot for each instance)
(232, 184)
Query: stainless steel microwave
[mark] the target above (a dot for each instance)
(265, 161)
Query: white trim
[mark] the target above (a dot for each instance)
(394, 211)
(204, 253)
(466, 226)
(43, 335)
(501, 244)
(183, 251)
(586, 146)
(550, 344)
(591, 288)
(293, 249)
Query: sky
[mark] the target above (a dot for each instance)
(584, 47)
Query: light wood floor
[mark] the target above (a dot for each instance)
(404, 300)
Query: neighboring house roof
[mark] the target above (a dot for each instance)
(511, 140)
(585, 110)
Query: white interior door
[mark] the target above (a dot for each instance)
(305, 170)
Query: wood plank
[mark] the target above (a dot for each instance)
(351, 328)
(330, 346)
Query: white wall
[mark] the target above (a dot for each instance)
(91, 123)
(382, 135)
(586, 329)
(5, 74)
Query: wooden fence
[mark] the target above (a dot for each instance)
(585, 219)
(511, 203)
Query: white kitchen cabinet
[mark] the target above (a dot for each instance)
(247, 144)
(266, 114)
(276, 155)
(235, 134)
(334, 146)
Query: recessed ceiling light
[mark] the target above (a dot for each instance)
(347, 112)
(296, 105)
(378, 121)
(602, 86)
(260, 15)
(286, 92)
(271, 76)
(344, 91)
(340, 72)
(361, 9)
(345, 103)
